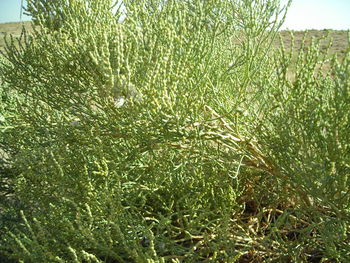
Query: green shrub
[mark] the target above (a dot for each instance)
(169, 131)
(8, 112)
(304, 136)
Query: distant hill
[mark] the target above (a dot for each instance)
(340, 38)
(14, 29)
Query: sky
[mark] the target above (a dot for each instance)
(318, 14)
(303, 14)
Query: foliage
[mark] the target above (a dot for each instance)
(171, 131)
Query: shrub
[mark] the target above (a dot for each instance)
(158, 133)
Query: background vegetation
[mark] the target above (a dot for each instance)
(189, 132)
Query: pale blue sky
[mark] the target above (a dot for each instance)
(10, 11)
(318, 14)
(303, 14)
